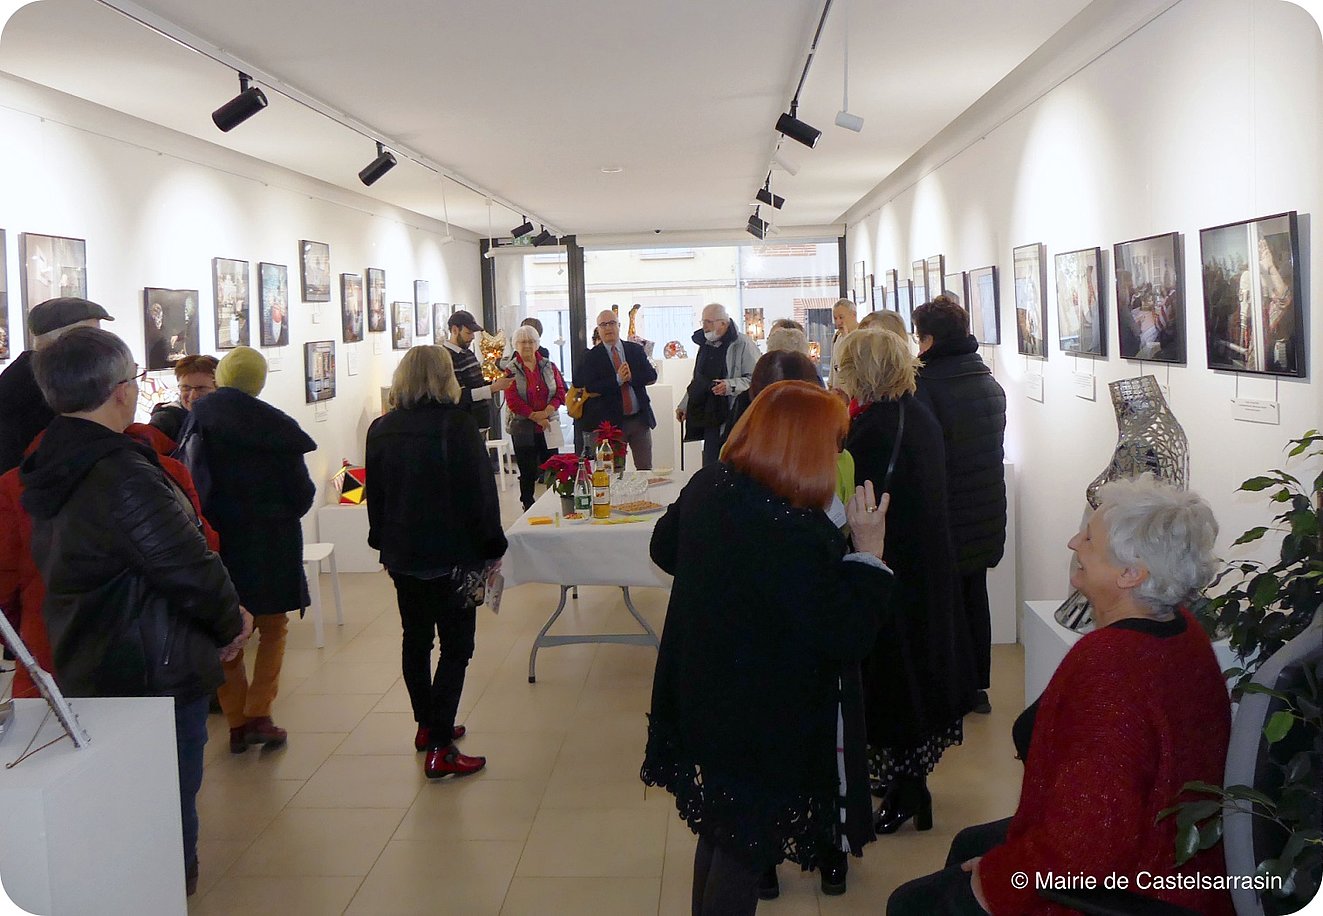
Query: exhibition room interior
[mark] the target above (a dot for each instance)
(1093, 179)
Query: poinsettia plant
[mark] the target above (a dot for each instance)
(558, 473)
(613, 434)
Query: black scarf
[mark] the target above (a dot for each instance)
(706, 409)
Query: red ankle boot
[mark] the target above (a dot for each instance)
(265, 732)
(448, 761)
(420, 738)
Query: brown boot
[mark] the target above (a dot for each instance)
(239, 739)
(265, 732)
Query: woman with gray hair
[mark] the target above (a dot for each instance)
(534, 404)
(1137, 709)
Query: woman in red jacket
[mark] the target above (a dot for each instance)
(1137, 709)
(535, 399)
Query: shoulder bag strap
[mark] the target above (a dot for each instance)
(895, 450)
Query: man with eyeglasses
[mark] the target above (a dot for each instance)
(618, 372)
(197, 379)
(23, 411)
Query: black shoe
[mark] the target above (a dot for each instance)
(834, 867)
(906, 798)
(878, 787)
(981, 704)
(769, 888)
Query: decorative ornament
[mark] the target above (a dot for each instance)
(492, 348)
(674, 350)
(351, 483)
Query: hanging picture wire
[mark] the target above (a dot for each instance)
(55, 700)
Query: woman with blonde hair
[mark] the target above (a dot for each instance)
(919, 681)
(886, 320)
(433, 514)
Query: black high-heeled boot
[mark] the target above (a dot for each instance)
(835, 866)
(769, 888)
(907, 797)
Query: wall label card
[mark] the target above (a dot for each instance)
(351, 360)
(321, 411)
(1251, 410)
(1033, 387)
(275, 363)
(1085, 385)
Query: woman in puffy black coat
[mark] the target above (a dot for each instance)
(919, 680)
(765, 606)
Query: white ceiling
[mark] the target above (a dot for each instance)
(530, 100)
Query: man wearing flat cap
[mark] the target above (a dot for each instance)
(476, 392)
(23, 410)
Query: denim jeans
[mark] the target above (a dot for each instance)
(190, 741)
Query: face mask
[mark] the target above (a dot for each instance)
(712, 336)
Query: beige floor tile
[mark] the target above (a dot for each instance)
(300, 663)
(277, 897)
(562, 793)
(229, 815)
(616, 896)
(517, 707)
(341, 677)
(371, 650)
(603, 701)
(625, 666)
(522, 756)
(382, 733)
(323, 713)
(361, 781)
(214, 859)
(799, 893)
(468, 877)
(591, 842)
(474, 808)
(298, 759)
(396, 699)
(308, 842)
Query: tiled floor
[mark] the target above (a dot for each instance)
(342, 820)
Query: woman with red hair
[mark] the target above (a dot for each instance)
(766, 605)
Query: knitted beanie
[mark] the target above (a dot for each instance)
(243, 368)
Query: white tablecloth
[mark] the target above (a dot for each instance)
(583, 553)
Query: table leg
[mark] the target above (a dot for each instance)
(639, 617)
(647, 638)
(537, 643)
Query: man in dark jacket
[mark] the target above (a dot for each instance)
(618, 372)
(970, 406)
(23, 411)
(477, 392)
(136, 603)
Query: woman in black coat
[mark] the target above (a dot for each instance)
(743, 728)
(919, 681)
(433, 514)
(246, 458)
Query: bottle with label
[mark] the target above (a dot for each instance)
(583, 486)
(602, 480)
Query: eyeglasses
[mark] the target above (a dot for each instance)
(141, 374)
(608, 324)
(193, 389)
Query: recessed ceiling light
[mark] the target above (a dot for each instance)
(611, 170)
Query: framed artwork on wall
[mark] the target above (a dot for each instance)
(954, 285)
(1253, 313)
(376, 300)
(984, 305)
(229, 286)
(273, 301)
(1081, 320)
(754, 323)
(891, 280)
(401, 325)
(1030, 271)
(879, 292)
(1150, 298)
(440, 323)
(4, 299)
(918, 286)
(170, 326)
(934, 272)
(49, 267)
(905, 303)
(860, 290)
(319, 370)
(315, 270)
(351, 308)
(422, 318)
(421, 295)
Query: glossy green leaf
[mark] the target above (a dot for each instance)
(1278, 726)
(1193, 812)
(1187, 844)
(1255, 484)
(1252, 535)
(1210, 834)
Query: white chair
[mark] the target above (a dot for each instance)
(313, 555)
(503, 451)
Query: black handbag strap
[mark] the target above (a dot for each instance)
(895, 450)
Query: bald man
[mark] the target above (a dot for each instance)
(618, 372)
(844, 318)
(722, 369)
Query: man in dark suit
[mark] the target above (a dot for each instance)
(618, 372)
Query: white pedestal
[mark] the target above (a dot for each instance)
(94, 830)
(1046, 643)
(347, 528)
(1003, 599)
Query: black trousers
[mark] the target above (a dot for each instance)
(949, 892)
(432, 609)
(712, 443)
(724, 885)
(974, 590)
(529, 457)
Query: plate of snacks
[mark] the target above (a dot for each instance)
(638, 507)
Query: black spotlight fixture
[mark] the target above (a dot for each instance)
(545, 237)
(384, 162)
(765, 195)
(523, 229)
(757, 225)
(790, 125)
(249, 101)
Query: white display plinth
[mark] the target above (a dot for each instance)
(1046, 643)
(347, 528)
(1003, 599)
(94, 830)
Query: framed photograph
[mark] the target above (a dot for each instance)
(1252, 291)
(1029, 263)
(319, 370)
(351, 308)
(984, 305)
(440, 323)
(934, 273)
(315, 270)
(229, 287)
(918, 286)
(422, 318)
(754, 324)
(905, 303)
(891, 280)
(401, 325)
(954, 285)
(1081, 321)
(422, 295)
(4, 299)
(879, 295)
(273, 301)
(49, 267)
(170, 326)
(376, 300)
(860, 290)
(1150, 298)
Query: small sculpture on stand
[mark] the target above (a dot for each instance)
(492, 348)
(1149, 441)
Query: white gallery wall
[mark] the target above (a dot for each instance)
(1211, 113)
(156, 206)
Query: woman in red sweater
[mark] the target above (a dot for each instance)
(537, 395)
(1137, 709)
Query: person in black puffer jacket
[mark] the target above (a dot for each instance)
(970, 406)
(136, 604)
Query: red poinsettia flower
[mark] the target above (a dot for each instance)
(610, 433)
(559, 471)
